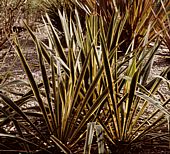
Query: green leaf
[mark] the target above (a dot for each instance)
(130, 101)
(33, 84)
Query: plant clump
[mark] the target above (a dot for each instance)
(98, 92)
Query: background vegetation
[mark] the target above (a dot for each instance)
(12, 14)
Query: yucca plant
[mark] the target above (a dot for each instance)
(88, 83)
(130, 95)
(141, 13)
(67, 98)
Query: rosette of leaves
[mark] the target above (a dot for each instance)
(67, 98)
(88, 82)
